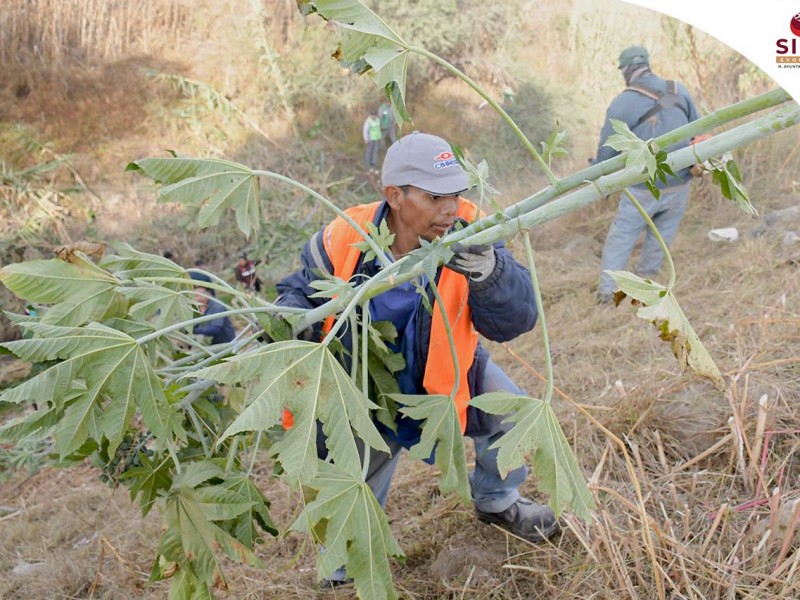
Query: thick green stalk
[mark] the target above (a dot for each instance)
(605, 185)
(657, 234)
(716, 119)
(548, 359)
(233, 450)
(375, 248)
(226, 313)
(494, 104)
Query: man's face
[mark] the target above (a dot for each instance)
(426, 215)
(201, 298)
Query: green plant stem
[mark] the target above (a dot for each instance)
(232, 453)
(365, 318)
(226, 313)
(199, 429)
(450, 339)
(224, 287)
(657, 234)
(255, 454)
(548, 359)
(174, 456)
(362, 291)
(494, 104)
(230, 348)
(380, 253)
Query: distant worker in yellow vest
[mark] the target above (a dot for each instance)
(372, 134)
(484, 290)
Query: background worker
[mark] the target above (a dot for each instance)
(371, 132)
(650, 106)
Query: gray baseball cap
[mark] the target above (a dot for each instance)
(633, 55)
(424, 161)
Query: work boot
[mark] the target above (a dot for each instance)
(605, 297)
(526, 519)
(337, 578)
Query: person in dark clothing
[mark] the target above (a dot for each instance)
(202, 277)
(220, 330)
(650, 106)
(484, 291)
(245, 274)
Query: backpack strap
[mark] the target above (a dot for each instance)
(668, 99)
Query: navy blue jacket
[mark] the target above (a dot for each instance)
(503, 305)
(220, 330)
(630, 106)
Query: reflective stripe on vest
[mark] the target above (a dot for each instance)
(440, 373)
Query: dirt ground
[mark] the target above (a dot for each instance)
(683, 483)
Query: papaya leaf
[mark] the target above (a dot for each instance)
(212, 184)
(165, 304)
(640, 155)
(41, 420)
(333, 288)
(277, 328)
(381, 235)
(357, 534)
(367, 44)
(305, 378)
(115, 374)
(81, 291)
(536, 431)
(130, 263)
(148, 481)
(552, 147)
(192, 535)
(442, 433)
(662, 309)
(478, 179)
(243, 528)
(727, 176)
(185, 585)
(431, 254)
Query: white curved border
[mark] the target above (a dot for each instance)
(749, 27)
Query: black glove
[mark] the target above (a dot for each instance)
(475, 261)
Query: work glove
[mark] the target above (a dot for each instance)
(475, 261)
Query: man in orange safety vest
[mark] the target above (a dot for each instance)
(484, 291)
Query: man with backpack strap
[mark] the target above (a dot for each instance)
(483, 290)
(650, 106)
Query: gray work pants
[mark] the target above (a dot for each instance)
(490, 491)
(666, 213)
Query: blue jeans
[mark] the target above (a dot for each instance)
(666, 213)
(490, 491)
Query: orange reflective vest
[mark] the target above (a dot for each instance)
(440, 374)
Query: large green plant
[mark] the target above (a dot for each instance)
(123, 364)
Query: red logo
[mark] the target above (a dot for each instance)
(794, 25)
(445, 156)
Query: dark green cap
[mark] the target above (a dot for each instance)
(633, 55)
